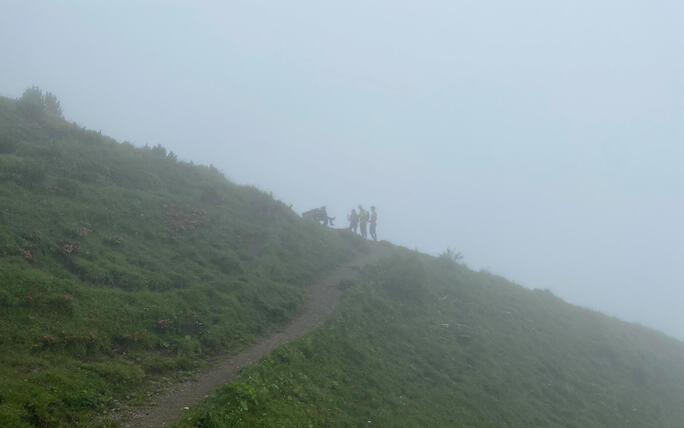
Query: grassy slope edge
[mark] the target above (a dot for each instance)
(119, 265)
(425, 342)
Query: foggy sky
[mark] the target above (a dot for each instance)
(542, 139)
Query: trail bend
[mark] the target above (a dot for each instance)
(321, 299)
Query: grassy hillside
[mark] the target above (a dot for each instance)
(122, 267)
(119, 265)
(424, 342)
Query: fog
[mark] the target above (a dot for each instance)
(543, 140)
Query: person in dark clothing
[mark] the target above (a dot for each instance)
(319, 215)
(323, 214)
(373, 222)
(353, 221)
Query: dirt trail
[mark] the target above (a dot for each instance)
(321, 299)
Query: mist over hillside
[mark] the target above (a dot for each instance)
(123, 271)
(541, 139)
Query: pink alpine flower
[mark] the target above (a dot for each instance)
(71, 247)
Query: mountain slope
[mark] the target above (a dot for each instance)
(122, 269)
(322, 298)
(424, 342)
(121, 264)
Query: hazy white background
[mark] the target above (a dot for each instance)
(543, 139)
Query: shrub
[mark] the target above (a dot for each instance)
(31, 104)
(52, 104)
(450, 257)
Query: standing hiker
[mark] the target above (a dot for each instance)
(373, 221)
(353, 221)
(363, 220)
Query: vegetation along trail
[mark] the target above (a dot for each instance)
(321, 299)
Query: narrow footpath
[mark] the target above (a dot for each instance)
(321, 299)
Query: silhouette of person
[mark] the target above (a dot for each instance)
(373, 222)
(363, 221)
(353, 221)
(323, 215)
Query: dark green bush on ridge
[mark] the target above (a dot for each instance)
(31, 104)
(52, 104)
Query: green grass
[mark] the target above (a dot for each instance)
(120, 264)
(424, 342)
(122, 269)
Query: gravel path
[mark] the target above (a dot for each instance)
(321, 299)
